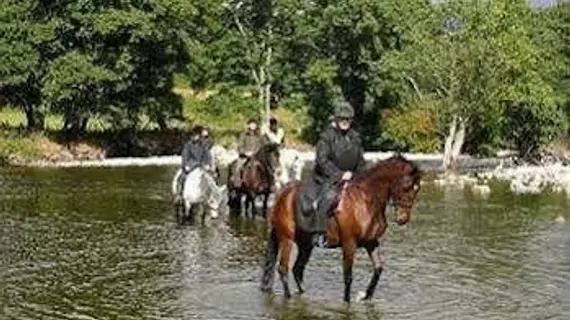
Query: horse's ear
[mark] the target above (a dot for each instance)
(398, 155)
(416, 171)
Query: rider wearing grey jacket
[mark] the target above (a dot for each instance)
(195, 154)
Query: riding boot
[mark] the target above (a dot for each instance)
(323, 213)
(181, 180)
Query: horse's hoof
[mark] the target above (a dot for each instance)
(266, 289)
(362, 296)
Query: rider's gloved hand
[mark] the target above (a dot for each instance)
(347, 176)
(186, 169)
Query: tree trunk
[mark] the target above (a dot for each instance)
(75, 123)
(161, 120)
(267, 102)
(261, 89)
(83, 124)
(453, 143)
(35, 119)
(267, 83)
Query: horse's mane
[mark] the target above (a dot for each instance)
(384, 168)
(267, 148)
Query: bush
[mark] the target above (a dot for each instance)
(15, 143)
(411, 129)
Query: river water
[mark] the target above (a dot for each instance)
(102, 243)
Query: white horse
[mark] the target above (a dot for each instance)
(199, 188)
(291, 167)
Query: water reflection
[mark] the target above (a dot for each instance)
(102, 243)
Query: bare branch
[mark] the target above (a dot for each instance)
(415, 86)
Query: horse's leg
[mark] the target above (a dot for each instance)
(265, 199)
(186, 211)
(305, 248)
(253, 208)
(204, 212)
(285, 250)
(179, 212)
(375, 253)
(246, 205)
(348, 251)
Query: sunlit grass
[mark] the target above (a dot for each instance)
(226, 127)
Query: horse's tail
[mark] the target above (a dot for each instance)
(270, 261)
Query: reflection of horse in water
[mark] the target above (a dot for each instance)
(256, 177)
(199, 188)
(358, 221)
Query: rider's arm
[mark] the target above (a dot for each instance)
(185, 155)
(241, 144)
(361, 165)
(323, 160)
(281, 136)
(207, 160)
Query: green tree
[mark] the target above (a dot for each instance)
(83, 57)
(335, 49)
(480, 59)
(25, 43)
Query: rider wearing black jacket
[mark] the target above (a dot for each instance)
(339, 155)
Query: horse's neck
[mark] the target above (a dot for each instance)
(196, 179)
(375, 187)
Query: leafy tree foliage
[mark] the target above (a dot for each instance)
(78, 58)
(496, 72)
(481, 60)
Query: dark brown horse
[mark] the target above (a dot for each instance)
(258, 178)
(359, 221)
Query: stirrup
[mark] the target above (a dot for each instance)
(315, 205)
(320, 240)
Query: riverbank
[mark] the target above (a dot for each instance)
(474, 173)
(224, 156)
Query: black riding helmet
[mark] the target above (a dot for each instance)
(343, 110)
(197, 130)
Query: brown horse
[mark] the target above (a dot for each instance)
(258, 178)
(359, 221)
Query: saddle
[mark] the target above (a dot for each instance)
(307, 207)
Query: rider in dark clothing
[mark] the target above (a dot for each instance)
(339, 156)
(206, 138)
(195, 154)
(208, 143)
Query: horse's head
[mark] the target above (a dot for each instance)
(269, 156)
(404, 187)
(272, 153)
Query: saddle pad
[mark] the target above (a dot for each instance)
(307, 194)
(304, 211)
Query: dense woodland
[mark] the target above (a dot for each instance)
(462, 75)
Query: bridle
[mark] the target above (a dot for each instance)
(398, 203)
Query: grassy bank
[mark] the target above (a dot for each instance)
(18, 145)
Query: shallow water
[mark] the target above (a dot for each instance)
(103, 244)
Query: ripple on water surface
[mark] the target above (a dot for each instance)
(102, 244)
